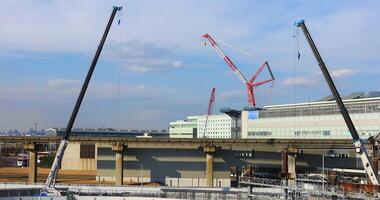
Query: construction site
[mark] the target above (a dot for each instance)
(325, 149)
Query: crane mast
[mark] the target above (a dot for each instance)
(359, 147)
(50, 181)
(211, 102)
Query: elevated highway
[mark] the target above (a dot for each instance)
(215, 154)
(278, 144)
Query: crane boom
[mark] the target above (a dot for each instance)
(63, 144)
(359, 147)
(211, 102)
(225, 57)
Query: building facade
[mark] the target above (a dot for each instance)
(186, 128)
(315, 120)
(218, 126)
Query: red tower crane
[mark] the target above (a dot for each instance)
(251, 85)
(209, 109)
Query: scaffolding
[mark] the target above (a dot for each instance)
(306, 187)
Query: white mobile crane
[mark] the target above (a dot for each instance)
(359, 147)
(50, 182)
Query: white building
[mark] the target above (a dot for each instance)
(184, 128)
(321, 120)
(218, 126)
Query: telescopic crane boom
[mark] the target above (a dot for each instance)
(62, 146)
(359, 147)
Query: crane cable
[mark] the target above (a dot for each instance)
(119, 68)
(296, 58)
(242, 51)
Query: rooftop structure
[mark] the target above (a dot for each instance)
(320, 120)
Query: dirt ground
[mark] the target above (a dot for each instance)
(20, 174)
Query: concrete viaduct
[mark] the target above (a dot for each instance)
(288, 148)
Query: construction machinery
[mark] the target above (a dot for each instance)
(209, 109)
(250, 85)
(359, 147)
(50, 182)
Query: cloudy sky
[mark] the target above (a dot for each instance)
(155, 68)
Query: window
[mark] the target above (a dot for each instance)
(87, 151)
(326, 133)
(259, 133)
(319, 110)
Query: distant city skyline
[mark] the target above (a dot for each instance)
(166, 72)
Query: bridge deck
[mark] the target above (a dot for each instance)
(191, 142)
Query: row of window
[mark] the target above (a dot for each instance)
(214, 124)
(215, 133)
(320, 110)
(219, 128)
(216, 120)
(259, 133)
(298, 133)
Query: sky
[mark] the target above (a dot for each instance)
(155, 66)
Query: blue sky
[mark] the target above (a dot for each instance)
(166, 73)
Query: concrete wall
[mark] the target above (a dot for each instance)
(72, 161)
(186, 167)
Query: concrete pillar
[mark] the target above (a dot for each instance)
(375, 159)
(119, 148)
(209, 151)
(284, 164)
(292, 154)
(292, 166)
(32, 165)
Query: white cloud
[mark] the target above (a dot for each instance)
(142, 57)
(300, 80)
(66, 26)
(177, 64)
(63, 89)
(315, 78)
(232, 94)
(343, 73)
(62, 83)
(139, 69)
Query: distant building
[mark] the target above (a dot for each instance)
(184, 128)
(107, 132)
(314, 120)
(218, 126)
